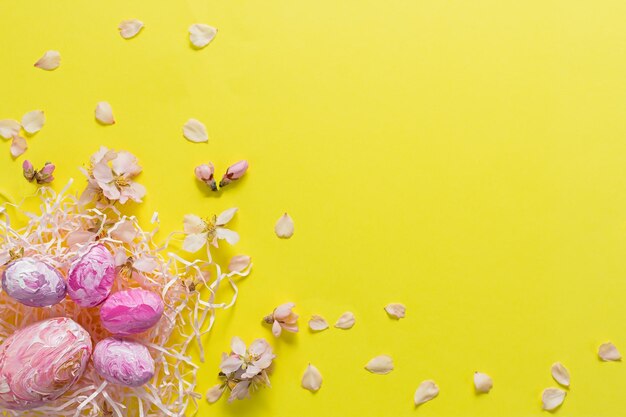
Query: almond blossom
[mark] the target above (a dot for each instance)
(110, 178)
(243, 370)
(283, 318)
(200, 231)
(42, 176)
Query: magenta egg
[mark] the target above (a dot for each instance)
(41, 362)
(33, 282)
(123, 362)
(131, 311)
(91, 277)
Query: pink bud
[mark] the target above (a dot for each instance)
(44, 176)
(29, 170)
(234, 172)
(205, 173)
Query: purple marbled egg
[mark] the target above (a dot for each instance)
(123, 362)
(91, 277)
(40, 362)
(33, 283)
(131, 311)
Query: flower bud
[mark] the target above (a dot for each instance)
(234, 172)
(29, 170)
(44, 176)
(204, 173)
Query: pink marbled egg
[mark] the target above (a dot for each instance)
(131, 311)
(33, 282)
(123, 362)
(91, 277)
(42, 361)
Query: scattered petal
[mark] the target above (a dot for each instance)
(608, 352)
(33, 121)
(238, 263)
(49, 61)
(215, 393)
(130, 28)
(482, 382)
(380, 365)
(312, 379)
(195, 131)
(560, 374)
(104, 113)
(346, 321)
(9, 128)
(426, 392)
(396, 310)
(318, 323)
(18, 146)
(552, 398)
(201, 35)
(284, 227)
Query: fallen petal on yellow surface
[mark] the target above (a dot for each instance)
(18, 146)
(560, 374)
(9, 128)
(33, 121)
(346, 321)
(201, 35)
(129, 28)
(426, 392)
(195, 131)
(104, 113)
(49, 61)
(608, 352)
(214, 393)
(312, 379)
(382, 364)
(284, 227)
(396, 310)
(239, 262)
(482, 382)
(318, 323)
(552, 398)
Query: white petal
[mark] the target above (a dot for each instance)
(238, 346)
(239, 262)
(396, 310)
(381, 365)
(230, 236)
(9, 128)
(560, 374)
(214, 393)
(318, 323)
(346, 321)
(129, 28)
(312, 379)
(608, 352)
(194, 242)
(482, 382)
(33, 121)
(201, 35)
(104, 113)
(49, 61)
(18, 146)
(284, 227)
(426, 392)
(552, 398)
(195, 131)
(193, 224)
(226, 216)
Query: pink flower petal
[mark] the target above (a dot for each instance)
(18, 146)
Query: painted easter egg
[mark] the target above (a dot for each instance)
(131, 311)
(91, 277)
(41, 362)
(33, 283)
(123, 362)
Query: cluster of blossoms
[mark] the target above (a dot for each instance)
(206, 172)
(110, 178)
(41, 176)
(243, 370)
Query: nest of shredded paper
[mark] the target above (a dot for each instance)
(58, 234)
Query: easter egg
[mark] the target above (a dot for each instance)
(131, 311)
(123, 362)
(91, 277)
(41, 362)
(33, 283)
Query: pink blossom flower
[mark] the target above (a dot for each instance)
(283, 318)
(205, 173)
(234, 172)
(44, 175)
(110, 178)
(199, 231)
(28, 170)
(244, 369)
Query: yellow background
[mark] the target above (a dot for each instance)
(466, 158)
